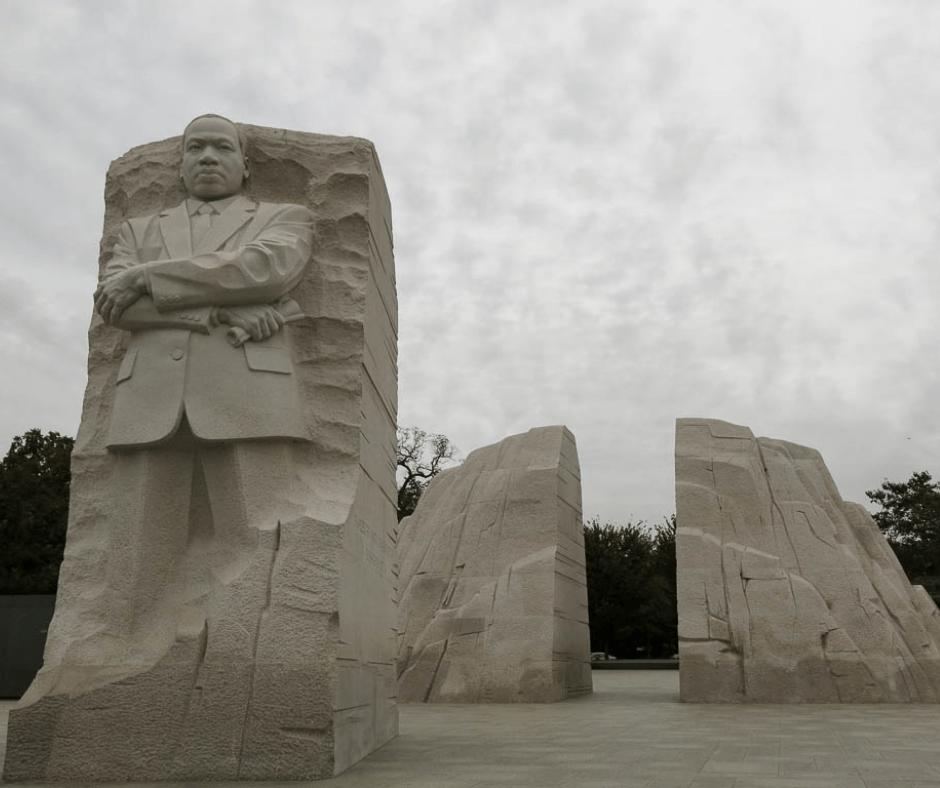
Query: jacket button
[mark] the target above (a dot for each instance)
(177, 354)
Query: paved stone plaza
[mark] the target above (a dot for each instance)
(633, 733)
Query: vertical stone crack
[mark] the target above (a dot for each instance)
(437, 668)
(776, 506)
(252, 668)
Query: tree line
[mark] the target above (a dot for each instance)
(631, 569)
(909, 518)
(34, 510)
(631, 585)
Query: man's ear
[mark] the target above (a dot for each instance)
(247, 170)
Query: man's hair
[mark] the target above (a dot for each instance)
(239, 130)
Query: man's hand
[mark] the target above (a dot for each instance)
(259, 322)
(118, 292)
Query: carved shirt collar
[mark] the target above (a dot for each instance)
(193, 205)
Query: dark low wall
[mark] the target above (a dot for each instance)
(635, 664)
(24, 621)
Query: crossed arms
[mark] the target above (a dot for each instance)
(244, 288)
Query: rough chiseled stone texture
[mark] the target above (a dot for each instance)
(278, 661)
(787, 593)
(493, 600)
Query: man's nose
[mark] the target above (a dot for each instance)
(208, 154)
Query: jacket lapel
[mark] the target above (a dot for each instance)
(232, 219)
(174, 225)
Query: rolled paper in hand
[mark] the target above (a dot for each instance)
(290, 311)
(237, 336)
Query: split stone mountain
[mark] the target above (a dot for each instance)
(237, 601)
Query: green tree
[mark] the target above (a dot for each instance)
(421, 456)
(34, 506)
(910, 521)
(660, 612)
(631, 588)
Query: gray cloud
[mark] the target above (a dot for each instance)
(607, 214)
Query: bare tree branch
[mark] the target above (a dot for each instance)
(421, 457)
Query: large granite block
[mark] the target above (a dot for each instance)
(493, 599)
(787, 593)
(190, 645)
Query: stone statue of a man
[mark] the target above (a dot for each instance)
(206, 404)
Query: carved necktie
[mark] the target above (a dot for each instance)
(201, 222)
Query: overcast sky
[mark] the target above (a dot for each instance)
(607, 214)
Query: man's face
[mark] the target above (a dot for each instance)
(213, 162)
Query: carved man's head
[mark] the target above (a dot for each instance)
(214, 163)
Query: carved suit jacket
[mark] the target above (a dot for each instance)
(176, 360)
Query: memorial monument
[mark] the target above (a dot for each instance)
(226, 604)
(787, 593)
(493, 599)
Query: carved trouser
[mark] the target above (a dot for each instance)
(186, 519)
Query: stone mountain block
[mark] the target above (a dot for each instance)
(787, 593)
(262, 653)
(493, 599)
